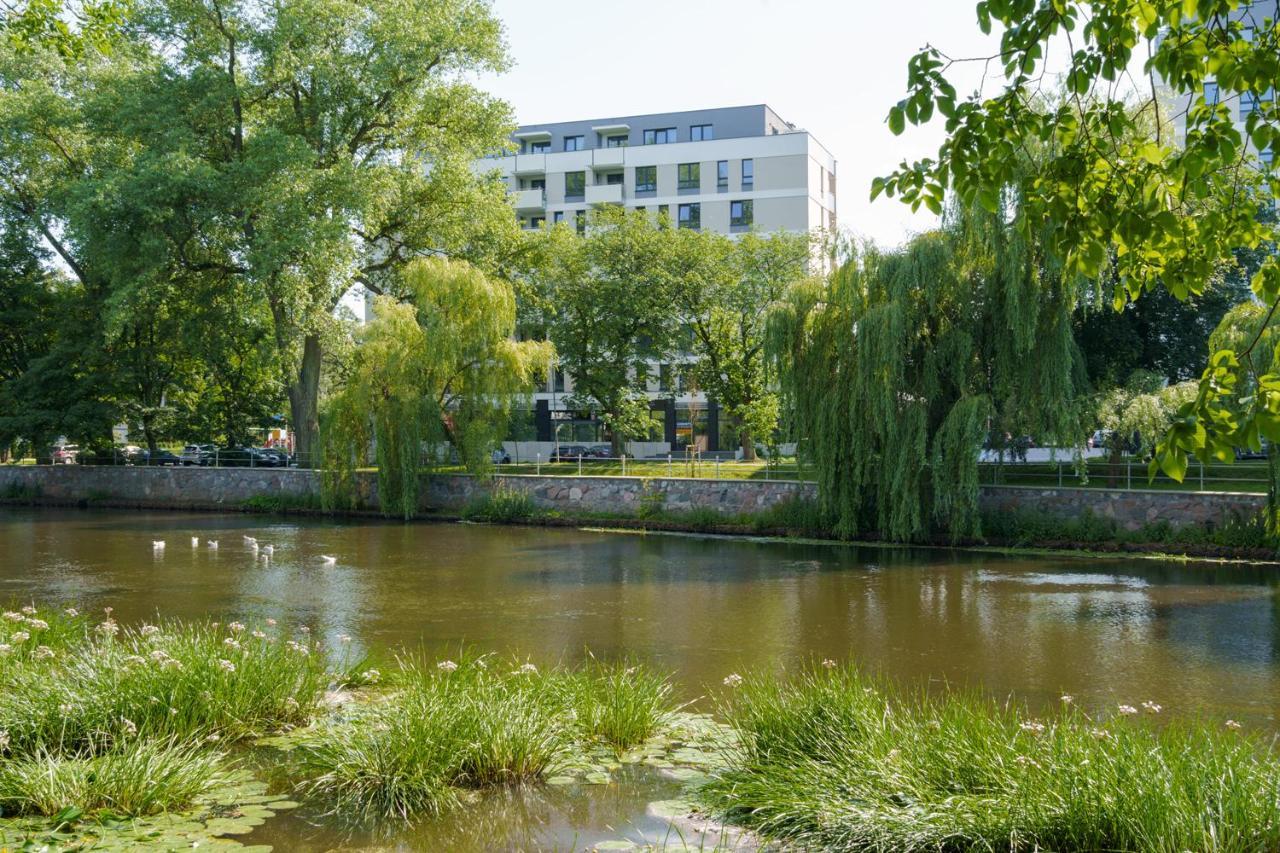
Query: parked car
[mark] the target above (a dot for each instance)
(500, 456)
(276, 457)
(161, 457)
(1245, 453)
(568, 453)
(65, 454)
(198, 454)
(599, 453)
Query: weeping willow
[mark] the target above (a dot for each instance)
(896, 367)
(438, 367)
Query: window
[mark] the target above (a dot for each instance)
(664, 210)
(740, 213)
(575, 185)
(536, 221)
(580, 221)
(722, 175)
(538, 184)
(557, 217)
(1250, 102)
(660, 136)
(646, 179)
(690, 216)
(573, 143)
(539, 147)
(1211, 94)
(1267, 156)
(616, 141)
(613, 178)
(688, 176)
(748, 174)
(700, 132)
(640, 207)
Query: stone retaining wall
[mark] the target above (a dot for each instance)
(227, 488)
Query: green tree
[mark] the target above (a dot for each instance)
(724, 289)
(442, 366)
(1135, 415)
(613, 311)
(1145, 210)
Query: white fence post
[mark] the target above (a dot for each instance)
(579, 464)
(624, 464)
(538, 464)
(668, 464)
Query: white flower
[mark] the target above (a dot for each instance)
(527, 669)
(304, 629)
(226, 666)
(1032, 726)
(298, 647)
(149, 630)
(271, 621)
(129, 727)
(344, 638)
(43, 652)
(481, 663)
(72, 612)
(1100, 734)
(5, 648)
(38, 624)
(135, 659)
(19, 637)
(732, 680)
(235, 627)
(232, 642)
(13, 616)
(1067, 698)
(214, 738)
(107, 610)
(1233, 725)
(829, 663)
(446, 666)
(259, 635)
(1151, 707)
(1127, 710)
(371, 676)
(108, 628)
(65, 709)
(29, 610)
(4, 740)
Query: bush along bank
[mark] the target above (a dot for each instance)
(1237, 538)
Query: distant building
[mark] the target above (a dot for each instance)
(726, 169)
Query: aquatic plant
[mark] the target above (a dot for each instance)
(831, 759)
(620, 705)
(500, 505)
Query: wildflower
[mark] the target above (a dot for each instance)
(828, 663)
(481, 663)
(1032, 726)
(72, 612)
(528, 669)
(159, 655)
(304, 629)
(149, 630)
(226, 665)
(108, 628)
(108, 610)
(1067, 698)
(631, 670)
(1100, 734)
(235, 627)
(1233, 725)
(29, 611)
(173, 712)
(5, 648)
(13, 616)
(1151, 707)
(232, 642)
(38, 624)
(290, 703)
(446, 666)
(134, 659)
(893, 754)
(214, 738)
(4, 740)
(43, 652)
(130, 728)
(371, 676)
(1128, 710)
(732, 680)
(65, 709)
(259, 635)
(271, 621)
(344, 638)
(298, 647)
(19, 637)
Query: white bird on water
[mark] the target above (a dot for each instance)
(195, 541)
(157, 544)
(213, 544)
(249, 540)
(268, 550)
(327, 560)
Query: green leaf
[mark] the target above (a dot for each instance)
(897, 120)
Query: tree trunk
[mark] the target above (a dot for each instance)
(748, 445)
(304, 403)
(617, 444)
(150, 436)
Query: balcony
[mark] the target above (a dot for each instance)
(529, 199)
(531, 164)
(604, 194)
(608, 158)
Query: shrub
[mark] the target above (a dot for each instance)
(833, 760)
(499, 506)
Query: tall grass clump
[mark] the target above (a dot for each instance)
(833, 760)
(68, 684)
(139, 778)
(500, 506)
(448, 726)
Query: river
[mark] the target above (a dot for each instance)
(1196, 638)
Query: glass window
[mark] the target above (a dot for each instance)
(536, 221)
(1267, 156)
(573, 143)
(1211, 94)
(664, 210)
(748, 174)
(558, 217)
(539, 147)
(740, 213)
(700, 132)
(722, 174)
(616, 141)
(646, 179)
(575, 184)
(613, 178)
(660, 136)
(580, 221)
(1250, 102)
(688, 176)
(538, 184)
(690, 216)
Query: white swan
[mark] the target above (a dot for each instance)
(213, 544)
(157, 544)
(195, 541)
(268, 550)
(327, 560)
(249, 540)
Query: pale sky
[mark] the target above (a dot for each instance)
(832, 67)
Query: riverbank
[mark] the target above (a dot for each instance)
(1214, 526)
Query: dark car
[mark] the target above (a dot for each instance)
(160, 457)
(275, 457)
(599, 453)
(568, 453)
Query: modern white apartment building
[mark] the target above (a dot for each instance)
(726, 169)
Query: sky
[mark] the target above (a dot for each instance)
(832, 67)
